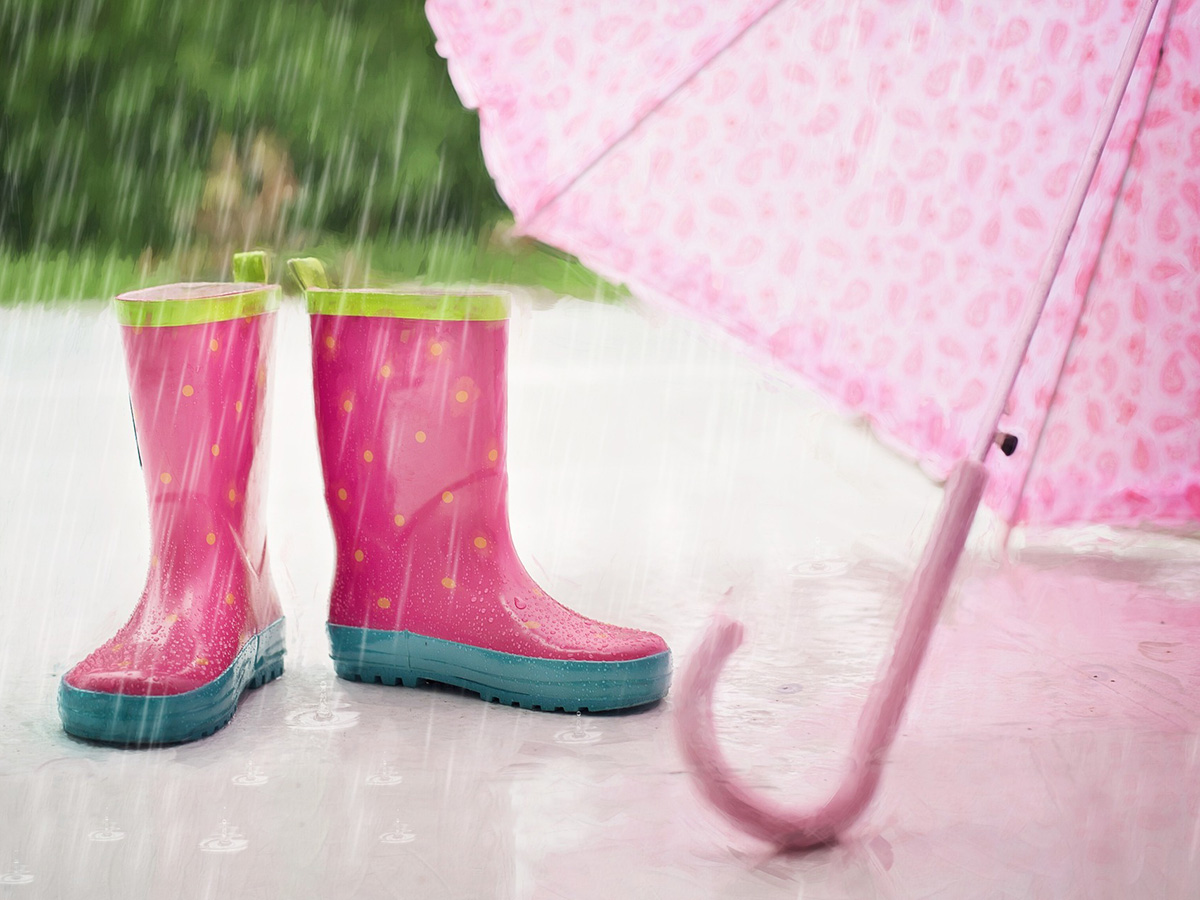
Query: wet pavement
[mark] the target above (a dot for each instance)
(1052, 745)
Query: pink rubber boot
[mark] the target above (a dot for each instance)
(410, 403)
(208, 623)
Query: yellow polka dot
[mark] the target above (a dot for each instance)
(172, 619)
(420, 437)
(347, 405)
(461, 396)
(118, 646)
(211, 538)
(165, 477)
(232, 495)
(237, 406)
(124, 664)
(447, 497)
(398, 519)
(229, 598)
(435, 348)
(154, 561)
(383, 602)
(480, 542)
(358, 556)
(201, 661)
(329, 342)
(533, 625)
(213, 345)
(215, 450)
(342, 495)
(188, 390)
(448, 582)
(493, 455)
(385, 371)
(368, 455)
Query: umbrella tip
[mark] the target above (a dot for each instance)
(1006, 442)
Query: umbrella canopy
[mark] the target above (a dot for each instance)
(865, 193)
(951, 219)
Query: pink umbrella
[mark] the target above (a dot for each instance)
(967, 224)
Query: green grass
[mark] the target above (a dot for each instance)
(460, 258)
(58, 276)
(446, 258)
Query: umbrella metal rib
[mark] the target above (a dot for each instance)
(564, 185)
(1062, 235)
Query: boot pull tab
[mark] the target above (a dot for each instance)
(252, 267)
(309, 272)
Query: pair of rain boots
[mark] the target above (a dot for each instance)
(410, 406)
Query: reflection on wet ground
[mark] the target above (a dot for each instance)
(1051, 748)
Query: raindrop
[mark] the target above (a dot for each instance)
(399, 834)
(226, 840)
(580, 734)
(1159, 651)
(110, 831)
(252, 777)
(820, 567)
(326, 715)
(385, 775)
(18, 874)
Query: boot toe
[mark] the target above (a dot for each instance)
(608, 642)
(551, 629)
(140, 670)
(132, 682)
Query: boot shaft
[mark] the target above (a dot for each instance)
(411, 414)
(407, 409)
(198, 390)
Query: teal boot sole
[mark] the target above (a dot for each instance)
(404, 658)
(136, 720)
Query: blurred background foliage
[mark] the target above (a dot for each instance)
(143, 140)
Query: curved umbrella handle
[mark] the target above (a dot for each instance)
(793, 829)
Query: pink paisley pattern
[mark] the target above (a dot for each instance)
(1122, 440)
(523, 65)
(865, 195)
